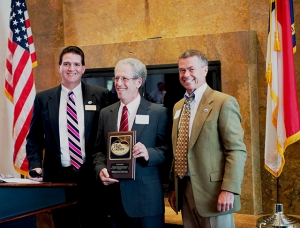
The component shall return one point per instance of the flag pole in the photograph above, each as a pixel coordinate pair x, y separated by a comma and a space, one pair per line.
278, 218
282, 115
279, 190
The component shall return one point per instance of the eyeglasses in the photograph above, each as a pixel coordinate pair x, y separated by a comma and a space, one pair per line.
123, 79
5, 176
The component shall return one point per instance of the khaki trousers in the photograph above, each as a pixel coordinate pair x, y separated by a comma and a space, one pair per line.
191, 217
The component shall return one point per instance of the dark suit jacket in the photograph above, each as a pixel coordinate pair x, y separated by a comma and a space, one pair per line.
44, 129
143, 196
216, 152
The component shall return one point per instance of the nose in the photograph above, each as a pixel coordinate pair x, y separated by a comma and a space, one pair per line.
118, 82
71, 67
187, 73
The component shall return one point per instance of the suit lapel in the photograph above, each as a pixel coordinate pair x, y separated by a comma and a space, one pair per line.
142, 110
202, 113
114, 109
178, 108
89, 98
53, 109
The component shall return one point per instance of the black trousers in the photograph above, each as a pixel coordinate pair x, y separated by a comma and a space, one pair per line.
120, 219
90, 211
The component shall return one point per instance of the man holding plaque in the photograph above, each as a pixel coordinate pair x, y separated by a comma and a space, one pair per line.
136, 199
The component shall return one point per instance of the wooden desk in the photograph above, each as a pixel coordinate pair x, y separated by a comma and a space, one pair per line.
19, 203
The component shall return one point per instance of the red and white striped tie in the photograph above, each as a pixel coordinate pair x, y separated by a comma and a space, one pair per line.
124, 120
73, 132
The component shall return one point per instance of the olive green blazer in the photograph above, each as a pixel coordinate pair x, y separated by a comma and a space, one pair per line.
216, 152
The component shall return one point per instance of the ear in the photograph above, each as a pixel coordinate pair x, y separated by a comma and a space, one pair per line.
139, 82
205, 70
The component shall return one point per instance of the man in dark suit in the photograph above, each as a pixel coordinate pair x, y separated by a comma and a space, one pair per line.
208, 190
136, 203
49, 132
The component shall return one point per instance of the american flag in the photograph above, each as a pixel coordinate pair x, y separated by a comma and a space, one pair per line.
19, 80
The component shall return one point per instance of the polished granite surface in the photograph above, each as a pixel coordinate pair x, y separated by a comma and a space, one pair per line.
241, 220
172, 220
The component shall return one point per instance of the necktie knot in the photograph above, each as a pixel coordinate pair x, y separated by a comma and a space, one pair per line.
124, 120
189, 99
71, 95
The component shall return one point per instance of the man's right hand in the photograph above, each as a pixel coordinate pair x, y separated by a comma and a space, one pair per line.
172, 200
36, 178
104, 176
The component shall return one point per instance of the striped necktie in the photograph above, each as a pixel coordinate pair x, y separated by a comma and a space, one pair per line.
124, 120
73, 132
183, 139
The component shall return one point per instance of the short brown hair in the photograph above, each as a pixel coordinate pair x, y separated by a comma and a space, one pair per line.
191, 53
72, 49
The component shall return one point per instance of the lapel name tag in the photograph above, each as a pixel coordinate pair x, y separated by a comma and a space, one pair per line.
90, 107
142, 119
177, 113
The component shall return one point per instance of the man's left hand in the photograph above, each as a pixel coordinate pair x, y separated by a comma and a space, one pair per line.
225, 201
139, 150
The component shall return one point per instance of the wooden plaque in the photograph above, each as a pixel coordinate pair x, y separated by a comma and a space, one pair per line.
120, 162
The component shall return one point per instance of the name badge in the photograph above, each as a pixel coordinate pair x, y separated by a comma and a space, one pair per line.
90, 107
177, 113
142, 119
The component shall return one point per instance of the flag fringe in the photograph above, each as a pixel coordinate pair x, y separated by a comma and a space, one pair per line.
8, 95
22, 172
292, 139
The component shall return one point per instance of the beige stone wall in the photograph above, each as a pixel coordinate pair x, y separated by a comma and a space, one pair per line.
115, 29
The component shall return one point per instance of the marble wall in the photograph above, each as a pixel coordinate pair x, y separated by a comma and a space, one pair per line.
231, 31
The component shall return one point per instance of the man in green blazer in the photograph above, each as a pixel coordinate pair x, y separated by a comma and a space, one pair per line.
209, 191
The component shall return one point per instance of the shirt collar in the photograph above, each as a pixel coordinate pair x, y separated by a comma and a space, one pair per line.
76, 90
198, 93
132, 105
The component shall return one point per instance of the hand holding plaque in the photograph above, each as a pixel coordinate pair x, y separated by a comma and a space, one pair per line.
120, 162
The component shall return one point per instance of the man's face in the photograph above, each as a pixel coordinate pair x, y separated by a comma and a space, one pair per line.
71, 70
127, 88
191, 74
161, 87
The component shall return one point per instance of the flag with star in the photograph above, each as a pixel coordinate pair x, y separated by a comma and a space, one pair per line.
19, 80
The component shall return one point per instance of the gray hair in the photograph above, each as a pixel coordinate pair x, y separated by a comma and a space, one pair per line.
191, 53
138, 68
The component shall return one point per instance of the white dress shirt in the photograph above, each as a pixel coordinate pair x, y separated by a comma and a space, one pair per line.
132, 108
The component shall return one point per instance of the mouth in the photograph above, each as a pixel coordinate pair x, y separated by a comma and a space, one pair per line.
188, 80
120, 89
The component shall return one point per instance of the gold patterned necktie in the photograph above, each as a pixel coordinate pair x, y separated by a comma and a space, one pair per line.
183, 139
